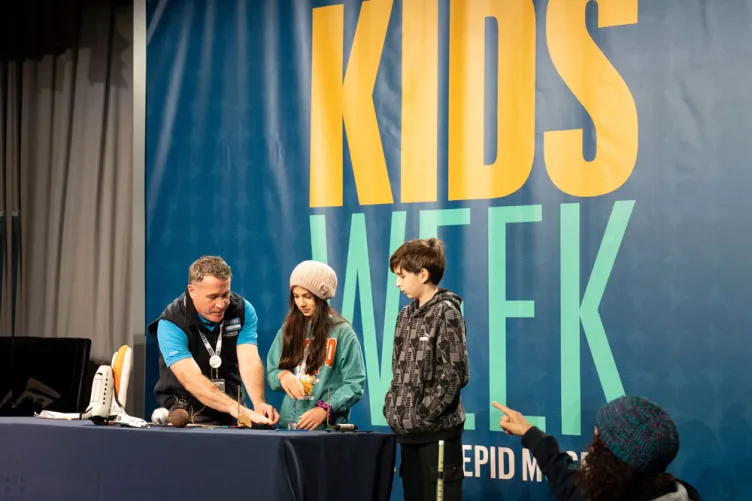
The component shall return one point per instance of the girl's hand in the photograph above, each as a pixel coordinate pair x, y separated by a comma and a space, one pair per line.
312, 419
292, 385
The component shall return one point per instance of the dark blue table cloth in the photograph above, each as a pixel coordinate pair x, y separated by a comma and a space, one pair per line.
43, 460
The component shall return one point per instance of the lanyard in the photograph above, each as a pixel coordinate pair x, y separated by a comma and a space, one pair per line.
214, 359
300, 369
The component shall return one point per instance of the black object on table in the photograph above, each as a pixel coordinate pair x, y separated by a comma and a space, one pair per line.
77, 460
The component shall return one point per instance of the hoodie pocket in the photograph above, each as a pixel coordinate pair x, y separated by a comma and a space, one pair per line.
391, 413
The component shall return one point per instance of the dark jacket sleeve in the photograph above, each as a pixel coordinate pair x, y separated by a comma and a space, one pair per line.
558, 467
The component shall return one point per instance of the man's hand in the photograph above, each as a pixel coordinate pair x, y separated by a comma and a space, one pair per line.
292, 385
251, 372
268, 411
255, 417
311, 419
512, 422
189, 374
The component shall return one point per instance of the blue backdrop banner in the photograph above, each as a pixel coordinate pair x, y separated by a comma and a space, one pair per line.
586, 164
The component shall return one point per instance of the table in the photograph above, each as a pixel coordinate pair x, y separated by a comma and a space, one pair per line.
44, 459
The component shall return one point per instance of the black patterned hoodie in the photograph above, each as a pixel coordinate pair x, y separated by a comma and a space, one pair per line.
429, 367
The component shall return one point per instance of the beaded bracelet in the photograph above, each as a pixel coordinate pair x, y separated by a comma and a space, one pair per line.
326, 407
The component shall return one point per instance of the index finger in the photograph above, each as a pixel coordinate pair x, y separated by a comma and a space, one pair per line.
273, 415
502, 408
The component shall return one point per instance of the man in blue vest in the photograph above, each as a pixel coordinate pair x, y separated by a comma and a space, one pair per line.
207, 342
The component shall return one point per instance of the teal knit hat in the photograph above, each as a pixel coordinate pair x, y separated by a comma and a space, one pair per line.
639, 433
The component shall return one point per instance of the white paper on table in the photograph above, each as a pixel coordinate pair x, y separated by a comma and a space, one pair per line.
70, 416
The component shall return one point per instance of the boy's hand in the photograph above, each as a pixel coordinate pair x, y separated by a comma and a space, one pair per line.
512, 422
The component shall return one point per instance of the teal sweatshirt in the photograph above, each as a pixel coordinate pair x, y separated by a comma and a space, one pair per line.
342, 372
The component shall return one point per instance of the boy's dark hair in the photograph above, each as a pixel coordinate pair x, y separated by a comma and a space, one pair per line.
414, 255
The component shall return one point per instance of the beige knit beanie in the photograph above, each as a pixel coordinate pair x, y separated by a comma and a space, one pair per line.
317, 277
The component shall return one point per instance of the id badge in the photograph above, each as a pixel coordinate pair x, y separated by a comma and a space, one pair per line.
219, 383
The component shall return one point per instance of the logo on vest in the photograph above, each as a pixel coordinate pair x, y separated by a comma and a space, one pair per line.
232, 327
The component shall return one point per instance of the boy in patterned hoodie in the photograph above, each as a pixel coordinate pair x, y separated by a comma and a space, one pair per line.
429, 367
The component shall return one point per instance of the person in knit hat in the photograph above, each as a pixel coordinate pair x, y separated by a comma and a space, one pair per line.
316, 358
634, 442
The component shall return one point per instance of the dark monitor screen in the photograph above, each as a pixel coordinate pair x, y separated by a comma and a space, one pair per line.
42, 374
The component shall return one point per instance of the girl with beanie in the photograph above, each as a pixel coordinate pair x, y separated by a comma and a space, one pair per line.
633, 444
316, 357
